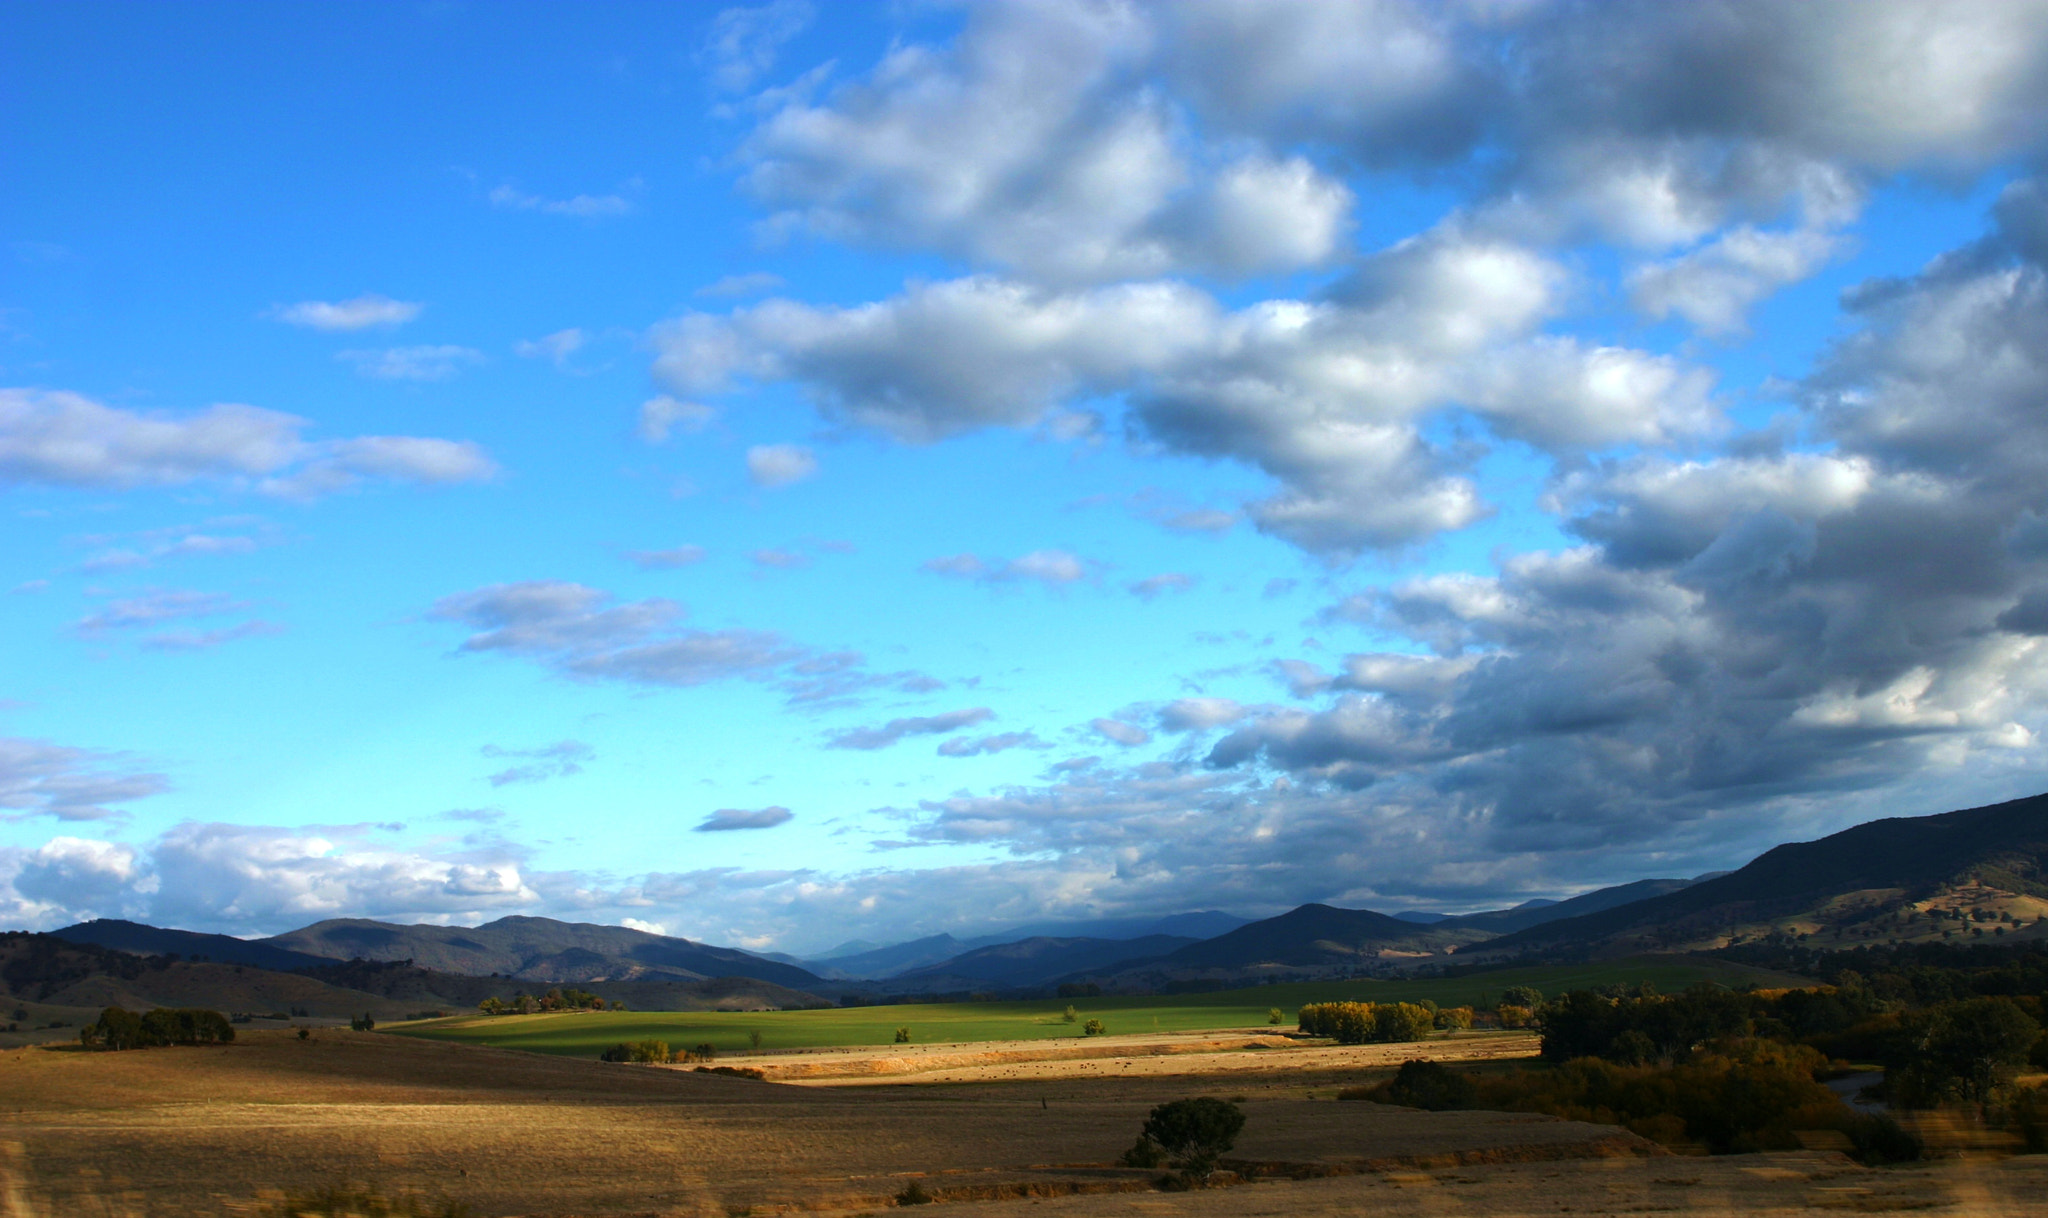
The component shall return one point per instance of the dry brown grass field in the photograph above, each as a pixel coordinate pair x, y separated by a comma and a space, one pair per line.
234, 1129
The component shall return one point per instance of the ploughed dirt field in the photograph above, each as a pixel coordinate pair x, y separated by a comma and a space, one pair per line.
232, 1129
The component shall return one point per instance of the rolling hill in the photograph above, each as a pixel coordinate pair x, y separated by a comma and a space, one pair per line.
145, 940
1034, 962
538, 949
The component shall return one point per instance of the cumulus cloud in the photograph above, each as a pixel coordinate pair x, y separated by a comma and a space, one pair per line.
1328, 397
779, 465
433, 362
1091, 177
362, 313
39, 778
726, 819
896, 729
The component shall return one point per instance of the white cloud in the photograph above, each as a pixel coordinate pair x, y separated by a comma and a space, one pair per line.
728, 819
778, 465
1199, 714
556, 347
882, 737
583, 633
743, 43
1053, 568
1154, 585
587, 207
424, 363
753, 283
362, 313
663, 415
559, 760
1025, 144
1715, 286
39, 778
666, 560
1116, 731
51, 437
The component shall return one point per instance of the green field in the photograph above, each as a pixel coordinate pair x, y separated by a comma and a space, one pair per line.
586, 1034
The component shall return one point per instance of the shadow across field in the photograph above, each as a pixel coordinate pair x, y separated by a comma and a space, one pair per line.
211, 1130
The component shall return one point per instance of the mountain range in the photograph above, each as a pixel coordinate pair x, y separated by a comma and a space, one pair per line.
1888, 879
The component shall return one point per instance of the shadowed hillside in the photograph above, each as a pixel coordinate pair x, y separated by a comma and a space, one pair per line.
538, 949
1900, 867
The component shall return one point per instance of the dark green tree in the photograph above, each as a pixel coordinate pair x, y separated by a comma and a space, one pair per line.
1195, 1133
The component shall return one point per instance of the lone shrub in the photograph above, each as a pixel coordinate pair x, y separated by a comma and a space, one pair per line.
1195, 1133
1276, 1016
363, 1023
1093, 1027
914, 1194
1070, 1016
903, 1036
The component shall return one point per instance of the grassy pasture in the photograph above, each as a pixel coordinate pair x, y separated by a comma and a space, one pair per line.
586, 1034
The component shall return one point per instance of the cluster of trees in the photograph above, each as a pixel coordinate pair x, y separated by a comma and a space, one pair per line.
1357, 1023
118, 1028
1736, 1097
1949, 1050
657, 1052
1730, 1071
557, 999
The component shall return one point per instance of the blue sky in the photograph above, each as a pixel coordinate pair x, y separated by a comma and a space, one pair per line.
787, 473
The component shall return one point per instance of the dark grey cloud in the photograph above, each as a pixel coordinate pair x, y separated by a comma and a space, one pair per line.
728, 819
896, 729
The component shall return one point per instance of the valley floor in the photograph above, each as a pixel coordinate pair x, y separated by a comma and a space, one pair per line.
233, 1129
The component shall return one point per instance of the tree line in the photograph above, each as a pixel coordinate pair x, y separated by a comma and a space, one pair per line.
117, 1028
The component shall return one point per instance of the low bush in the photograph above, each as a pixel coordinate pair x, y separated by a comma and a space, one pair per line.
1094, 1027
